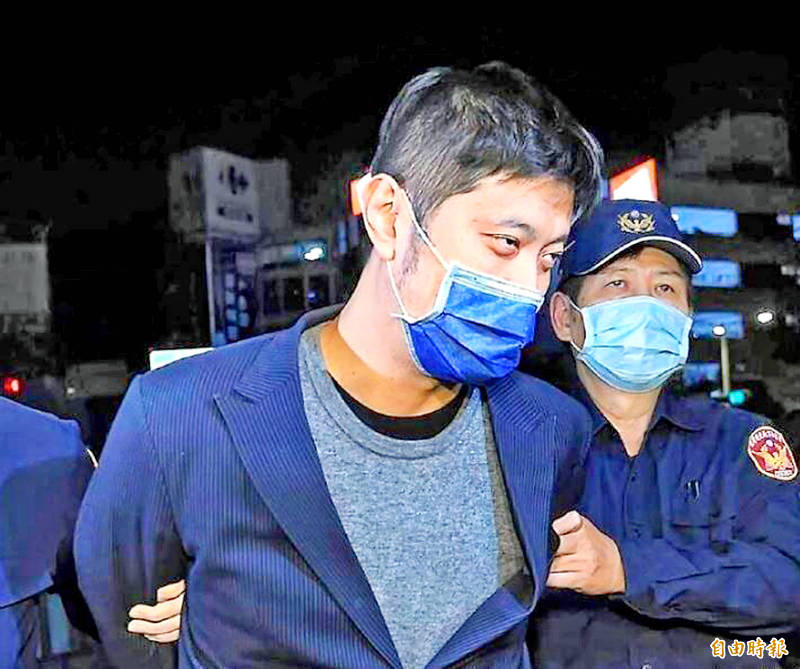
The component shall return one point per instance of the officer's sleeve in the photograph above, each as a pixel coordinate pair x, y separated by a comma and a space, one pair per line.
39, 501
126, 542
750, 583
65, 579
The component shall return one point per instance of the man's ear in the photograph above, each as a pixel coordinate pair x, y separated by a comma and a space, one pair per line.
561, 317
379, 201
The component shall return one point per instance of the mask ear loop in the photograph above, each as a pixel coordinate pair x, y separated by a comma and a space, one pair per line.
420, 231
405, 315
361, 186
586, 334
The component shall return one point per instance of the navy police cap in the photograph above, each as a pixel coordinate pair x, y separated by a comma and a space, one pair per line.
615, 226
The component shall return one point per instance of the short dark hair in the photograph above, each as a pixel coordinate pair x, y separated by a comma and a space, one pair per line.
447, 129
571, 286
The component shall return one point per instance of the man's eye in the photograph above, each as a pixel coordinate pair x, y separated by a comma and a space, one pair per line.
505, 245
551, 259
665, 287
616, 283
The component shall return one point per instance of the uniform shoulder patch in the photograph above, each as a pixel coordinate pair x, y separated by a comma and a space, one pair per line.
771, 454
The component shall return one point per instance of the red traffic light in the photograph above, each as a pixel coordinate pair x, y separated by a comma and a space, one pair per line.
13, 386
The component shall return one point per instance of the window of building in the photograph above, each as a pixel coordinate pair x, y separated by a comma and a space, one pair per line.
318, 291
293, 296
272, 303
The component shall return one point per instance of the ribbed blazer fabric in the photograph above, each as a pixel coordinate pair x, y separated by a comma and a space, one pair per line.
210, 472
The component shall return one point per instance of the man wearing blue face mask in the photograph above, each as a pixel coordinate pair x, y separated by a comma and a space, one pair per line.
701, 501
373, 487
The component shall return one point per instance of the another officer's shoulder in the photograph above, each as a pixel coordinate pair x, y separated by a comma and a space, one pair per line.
21, 426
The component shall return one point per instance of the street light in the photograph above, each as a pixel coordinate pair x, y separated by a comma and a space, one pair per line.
724, 358
765, 317
314, 253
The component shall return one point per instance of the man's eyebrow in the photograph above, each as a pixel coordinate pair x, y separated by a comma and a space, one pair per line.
670, 272
526, 228
611, 269
559, 240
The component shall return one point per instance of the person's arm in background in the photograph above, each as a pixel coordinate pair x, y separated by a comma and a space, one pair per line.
44, 470
126, 542
65, 578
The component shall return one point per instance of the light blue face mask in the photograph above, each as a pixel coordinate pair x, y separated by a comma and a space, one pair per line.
635, 343
477, 327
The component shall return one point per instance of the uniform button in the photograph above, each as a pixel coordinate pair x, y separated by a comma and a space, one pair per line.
637, 533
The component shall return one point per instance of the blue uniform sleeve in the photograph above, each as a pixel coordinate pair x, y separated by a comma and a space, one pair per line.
126, 542
745, 579
65, 578
40, 494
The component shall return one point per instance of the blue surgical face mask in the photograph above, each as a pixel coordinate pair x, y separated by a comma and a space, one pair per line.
477, 327
635, 343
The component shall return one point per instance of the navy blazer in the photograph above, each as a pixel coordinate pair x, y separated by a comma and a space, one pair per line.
210, 472
44, 470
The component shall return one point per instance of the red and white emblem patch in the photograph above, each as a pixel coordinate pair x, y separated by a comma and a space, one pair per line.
771, 454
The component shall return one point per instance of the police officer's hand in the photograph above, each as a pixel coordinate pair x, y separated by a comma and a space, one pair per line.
587, 560
162, 622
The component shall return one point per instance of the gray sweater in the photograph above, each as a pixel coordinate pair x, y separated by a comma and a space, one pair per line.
428, 519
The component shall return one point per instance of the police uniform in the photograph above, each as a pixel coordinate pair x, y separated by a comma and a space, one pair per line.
709, 535
44, 470
707, 520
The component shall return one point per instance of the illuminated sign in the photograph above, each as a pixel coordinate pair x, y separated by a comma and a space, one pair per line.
312, 249
718, 274
161, 357
637, 183
796, 227
294, 253
695, 373
708, 220
705, 321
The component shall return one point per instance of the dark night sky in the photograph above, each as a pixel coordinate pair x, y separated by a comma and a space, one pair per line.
84, 139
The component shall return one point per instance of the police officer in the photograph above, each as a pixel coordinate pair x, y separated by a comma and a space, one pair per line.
44, 470
685, 551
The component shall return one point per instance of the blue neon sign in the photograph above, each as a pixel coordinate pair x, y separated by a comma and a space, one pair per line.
704, 322
718, 274
707, 220
695, 373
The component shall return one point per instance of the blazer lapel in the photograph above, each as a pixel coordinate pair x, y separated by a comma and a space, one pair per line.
525, 438
265, 415
525, 445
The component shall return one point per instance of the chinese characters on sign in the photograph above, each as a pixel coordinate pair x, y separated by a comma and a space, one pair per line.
776, 648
